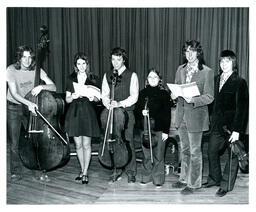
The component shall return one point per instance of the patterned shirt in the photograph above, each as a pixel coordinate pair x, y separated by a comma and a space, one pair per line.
190, 71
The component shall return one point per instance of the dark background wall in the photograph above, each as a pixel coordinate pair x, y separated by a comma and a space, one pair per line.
153, 37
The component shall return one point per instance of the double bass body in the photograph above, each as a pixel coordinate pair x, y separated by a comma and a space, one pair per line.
40, 147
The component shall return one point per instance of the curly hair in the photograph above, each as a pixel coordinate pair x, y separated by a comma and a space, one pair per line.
195, 46
19, 54
118, 51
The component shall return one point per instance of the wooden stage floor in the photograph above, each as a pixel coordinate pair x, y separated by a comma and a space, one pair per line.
62, 189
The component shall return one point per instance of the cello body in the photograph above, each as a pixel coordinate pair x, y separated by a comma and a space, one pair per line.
117, 152
44, 150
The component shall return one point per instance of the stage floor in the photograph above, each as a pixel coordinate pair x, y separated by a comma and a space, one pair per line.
62, 188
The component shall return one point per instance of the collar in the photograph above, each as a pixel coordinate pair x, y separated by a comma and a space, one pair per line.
226, 75
121, 70
193, 67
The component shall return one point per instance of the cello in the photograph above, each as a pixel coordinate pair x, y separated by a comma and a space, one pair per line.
114, 151
43, 145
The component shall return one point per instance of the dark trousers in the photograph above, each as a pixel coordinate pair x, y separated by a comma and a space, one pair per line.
217, 145
154, 172
15, 119
131, 168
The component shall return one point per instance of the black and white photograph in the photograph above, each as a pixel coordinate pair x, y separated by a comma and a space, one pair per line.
128, 103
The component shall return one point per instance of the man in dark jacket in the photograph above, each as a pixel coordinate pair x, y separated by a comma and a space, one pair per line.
231, 110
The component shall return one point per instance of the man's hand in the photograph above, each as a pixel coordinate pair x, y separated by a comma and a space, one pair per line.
189, 99
36, 90
32, 107
114, 104
173, 96
234, 137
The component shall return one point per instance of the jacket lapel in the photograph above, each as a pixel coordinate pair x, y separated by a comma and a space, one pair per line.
227, 83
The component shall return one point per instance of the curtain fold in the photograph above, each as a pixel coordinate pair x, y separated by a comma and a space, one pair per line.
153, 37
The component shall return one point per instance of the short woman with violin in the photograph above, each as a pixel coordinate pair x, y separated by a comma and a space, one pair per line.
154, 103
81, 121
20, 79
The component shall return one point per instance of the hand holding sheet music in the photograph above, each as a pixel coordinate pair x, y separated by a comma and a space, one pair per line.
188, 90
88, 91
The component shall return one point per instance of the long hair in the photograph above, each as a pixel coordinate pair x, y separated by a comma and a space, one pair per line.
83, 56
120, 52
195, 46
231, 56
160, 83
19, 54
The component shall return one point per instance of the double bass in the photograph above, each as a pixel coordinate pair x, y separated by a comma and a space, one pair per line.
43, 145
114, 151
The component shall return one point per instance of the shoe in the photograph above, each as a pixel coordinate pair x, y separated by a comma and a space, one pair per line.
208, 185
187, 191
144, 183
158, 185
15, 177
44, 177
179, 185
79, 177
221, 193
131, 179
115, 178
85, 179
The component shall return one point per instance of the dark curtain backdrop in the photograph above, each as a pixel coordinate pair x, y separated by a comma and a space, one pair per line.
153, 37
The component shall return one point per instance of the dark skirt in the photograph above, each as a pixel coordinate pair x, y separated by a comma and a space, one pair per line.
81, 119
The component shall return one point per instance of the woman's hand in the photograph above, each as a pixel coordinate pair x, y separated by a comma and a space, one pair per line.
93, 98
164, 136
145, 112
75, 95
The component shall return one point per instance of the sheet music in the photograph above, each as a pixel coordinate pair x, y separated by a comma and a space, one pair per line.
89, 91
184, 90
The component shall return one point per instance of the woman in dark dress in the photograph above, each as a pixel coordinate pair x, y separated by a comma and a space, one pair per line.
159, 109
81, 121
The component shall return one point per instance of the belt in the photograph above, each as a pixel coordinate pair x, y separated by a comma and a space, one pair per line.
12, 103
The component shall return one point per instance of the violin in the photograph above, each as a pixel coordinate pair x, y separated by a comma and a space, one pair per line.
148, 136
114, 151
43, 145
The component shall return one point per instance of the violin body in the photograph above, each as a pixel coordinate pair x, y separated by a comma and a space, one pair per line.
145, 135
117, 152
148, 125
44, 150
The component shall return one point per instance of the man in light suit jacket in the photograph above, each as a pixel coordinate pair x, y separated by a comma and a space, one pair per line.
192, 116
231, 110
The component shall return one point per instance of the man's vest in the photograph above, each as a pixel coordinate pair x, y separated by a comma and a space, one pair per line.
122, 88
